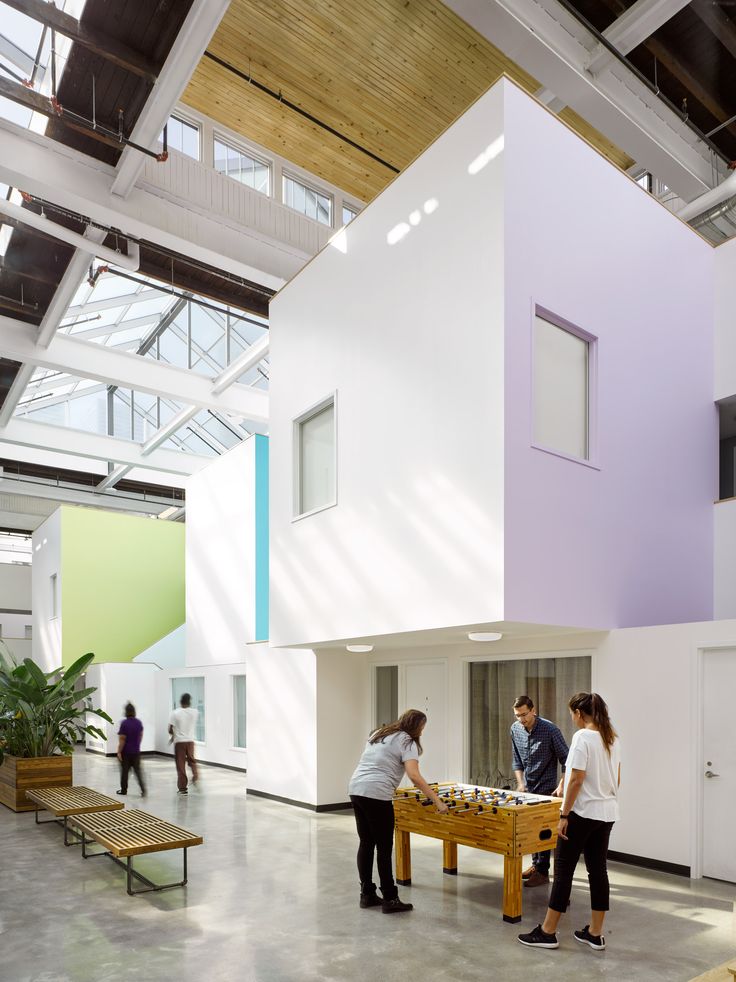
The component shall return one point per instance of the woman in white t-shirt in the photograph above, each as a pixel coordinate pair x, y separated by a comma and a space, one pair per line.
392, 751
590, 807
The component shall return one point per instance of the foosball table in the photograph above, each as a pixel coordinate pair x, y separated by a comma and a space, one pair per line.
512, 824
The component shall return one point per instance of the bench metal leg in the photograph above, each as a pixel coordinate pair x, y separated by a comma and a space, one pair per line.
150, 885
71, 832
46, 821
90, 855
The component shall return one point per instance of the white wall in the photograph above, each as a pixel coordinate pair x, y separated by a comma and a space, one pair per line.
167, 652
412, 339
342, 721
282, 723
724, 559
725, 320
118, 684
46, 560
217, 747
220, 558
15, 588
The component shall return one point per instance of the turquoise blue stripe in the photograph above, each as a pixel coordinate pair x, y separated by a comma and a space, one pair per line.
261, 538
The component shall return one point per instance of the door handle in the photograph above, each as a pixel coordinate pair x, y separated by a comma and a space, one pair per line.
711, 774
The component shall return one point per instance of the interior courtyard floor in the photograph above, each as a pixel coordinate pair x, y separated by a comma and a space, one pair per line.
272, 897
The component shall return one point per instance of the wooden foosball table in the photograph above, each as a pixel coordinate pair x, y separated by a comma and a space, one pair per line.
512, 824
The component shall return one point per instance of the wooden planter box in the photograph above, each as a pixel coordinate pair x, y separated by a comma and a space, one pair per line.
21, 774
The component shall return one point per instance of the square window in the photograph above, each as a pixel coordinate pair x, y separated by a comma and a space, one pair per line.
308, 201
348, 214
315, 452
242, 167
182, 136
561, 388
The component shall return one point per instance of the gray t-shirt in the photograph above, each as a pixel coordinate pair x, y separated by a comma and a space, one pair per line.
381, 767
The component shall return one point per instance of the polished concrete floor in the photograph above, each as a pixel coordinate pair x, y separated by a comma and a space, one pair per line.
272, 897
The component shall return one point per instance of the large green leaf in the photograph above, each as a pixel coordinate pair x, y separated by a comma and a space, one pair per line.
35, 673
77, 668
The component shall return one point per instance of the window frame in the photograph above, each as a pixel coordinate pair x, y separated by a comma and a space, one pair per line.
545, 314
354, 212
297, 421
233, 687
186, 121
309, 186
243, 148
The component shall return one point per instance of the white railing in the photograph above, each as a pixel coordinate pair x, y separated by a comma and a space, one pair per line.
194, 185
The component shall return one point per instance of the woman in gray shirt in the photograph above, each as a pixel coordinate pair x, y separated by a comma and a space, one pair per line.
391, 752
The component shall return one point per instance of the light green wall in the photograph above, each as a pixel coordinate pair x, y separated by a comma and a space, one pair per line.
122, 583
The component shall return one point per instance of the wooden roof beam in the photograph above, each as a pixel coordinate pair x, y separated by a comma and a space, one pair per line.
97, 42
719, 23
683, 75
40, 104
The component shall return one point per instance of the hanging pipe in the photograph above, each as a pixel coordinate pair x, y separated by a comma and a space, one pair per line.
42, 224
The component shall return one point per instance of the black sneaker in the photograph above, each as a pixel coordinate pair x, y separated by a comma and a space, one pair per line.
121, 792
395, 906
596, 941
538, 939
184, 791
370, 900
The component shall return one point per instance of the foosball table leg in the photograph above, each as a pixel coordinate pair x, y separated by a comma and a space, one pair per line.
449, 857
512, 889
403, 858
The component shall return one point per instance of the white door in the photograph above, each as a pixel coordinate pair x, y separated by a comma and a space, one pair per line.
718, 765
425, 688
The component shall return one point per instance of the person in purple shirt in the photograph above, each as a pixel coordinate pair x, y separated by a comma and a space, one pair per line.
130, 735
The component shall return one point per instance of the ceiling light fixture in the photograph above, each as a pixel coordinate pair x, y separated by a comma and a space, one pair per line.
359, 647
485, 636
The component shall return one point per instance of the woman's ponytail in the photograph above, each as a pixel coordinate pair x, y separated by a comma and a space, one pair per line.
591, 704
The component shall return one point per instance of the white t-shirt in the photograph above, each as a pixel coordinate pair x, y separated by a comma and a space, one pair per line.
184, 722
598, 797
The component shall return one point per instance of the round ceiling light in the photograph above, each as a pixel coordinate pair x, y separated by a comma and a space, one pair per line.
359, 647
485, 636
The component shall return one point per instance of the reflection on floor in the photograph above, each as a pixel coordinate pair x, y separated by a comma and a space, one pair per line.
272, 897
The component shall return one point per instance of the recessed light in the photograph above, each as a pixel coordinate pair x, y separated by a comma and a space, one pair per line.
485, 636
359, 647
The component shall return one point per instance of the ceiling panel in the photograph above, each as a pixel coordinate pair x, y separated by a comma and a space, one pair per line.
389, 76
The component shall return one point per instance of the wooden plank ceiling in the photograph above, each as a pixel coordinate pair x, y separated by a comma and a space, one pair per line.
389, 75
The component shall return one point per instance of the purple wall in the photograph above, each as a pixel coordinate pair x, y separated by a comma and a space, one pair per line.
630, 543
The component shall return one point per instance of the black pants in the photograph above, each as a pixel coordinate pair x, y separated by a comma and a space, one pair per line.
128, 761
375, 822
589, 837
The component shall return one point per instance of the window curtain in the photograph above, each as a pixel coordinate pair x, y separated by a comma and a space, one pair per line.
494, 686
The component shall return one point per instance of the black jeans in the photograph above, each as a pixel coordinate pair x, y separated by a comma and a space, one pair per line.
589, 837
128, 761
375, 821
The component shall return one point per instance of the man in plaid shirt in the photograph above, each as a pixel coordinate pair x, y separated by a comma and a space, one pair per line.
538, 745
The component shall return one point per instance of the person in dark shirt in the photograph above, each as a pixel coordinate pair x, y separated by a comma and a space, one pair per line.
538, 746
130, 735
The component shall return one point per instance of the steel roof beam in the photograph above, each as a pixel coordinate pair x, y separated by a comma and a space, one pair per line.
550, 43
635, 25
79, 443
86, 359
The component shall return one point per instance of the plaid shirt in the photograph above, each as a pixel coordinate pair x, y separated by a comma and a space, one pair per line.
537, 754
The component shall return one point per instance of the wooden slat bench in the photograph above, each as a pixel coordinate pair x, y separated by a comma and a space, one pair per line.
66, 802
126, 834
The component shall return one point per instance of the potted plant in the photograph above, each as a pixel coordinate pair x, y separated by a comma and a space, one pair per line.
41, 718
